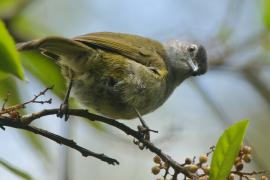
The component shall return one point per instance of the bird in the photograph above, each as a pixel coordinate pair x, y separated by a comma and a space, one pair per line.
118, 75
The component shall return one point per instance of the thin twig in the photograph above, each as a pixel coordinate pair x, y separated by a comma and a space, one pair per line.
244, 174
22, 105
7, 121
212, 149
5, 101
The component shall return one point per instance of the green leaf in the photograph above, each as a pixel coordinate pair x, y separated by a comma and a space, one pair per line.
266, 13
15, 170
45, 70
8, 85
226, 151
3, 75
9, 57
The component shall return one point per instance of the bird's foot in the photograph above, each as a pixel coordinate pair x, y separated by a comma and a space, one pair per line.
144, 130
63, 111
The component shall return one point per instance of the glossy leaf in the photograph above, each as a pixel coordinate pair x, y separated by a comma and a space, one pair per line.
227, 149
266, 13
45, 70
9, 57
15, 170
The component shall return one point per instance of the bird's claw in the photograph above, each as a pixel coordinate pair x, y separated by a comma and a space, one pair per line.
145, 132
2, 127
63, 111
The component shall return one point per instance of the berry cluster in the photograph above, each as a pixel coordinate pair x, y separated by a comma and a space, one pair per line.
159, 165
201, 168
244, 157
189, 164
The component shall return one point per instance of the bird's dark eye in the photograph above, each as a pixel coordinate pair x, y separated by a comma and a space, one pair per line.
191, 48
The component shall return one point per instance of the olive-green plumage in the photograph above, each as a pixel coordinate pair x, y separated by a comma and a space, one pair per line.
115, 73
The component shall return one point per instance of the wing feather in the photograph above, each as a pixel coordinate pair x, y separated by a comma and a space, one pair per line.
145, 51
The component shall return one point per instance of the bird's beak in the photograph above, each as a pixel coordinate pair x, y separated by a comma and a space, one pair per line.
193, 65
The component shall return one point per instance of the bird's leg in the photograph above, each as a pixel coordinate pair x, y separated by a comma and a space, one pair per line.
63, 111
2, 127
144, 129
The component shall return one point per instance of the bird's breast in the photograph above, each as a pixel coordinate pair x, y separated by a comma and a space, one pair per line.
115, 88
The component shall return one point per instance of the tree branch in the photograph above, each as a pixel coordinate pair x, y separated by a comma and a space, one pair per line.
24, 121
17, 123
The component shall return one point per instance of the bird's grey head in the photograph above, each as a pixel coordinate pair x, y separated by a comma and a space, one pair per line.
186, 59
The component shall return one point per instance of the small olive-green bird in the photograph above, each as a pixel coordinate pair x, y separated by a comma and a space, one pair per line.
119, 75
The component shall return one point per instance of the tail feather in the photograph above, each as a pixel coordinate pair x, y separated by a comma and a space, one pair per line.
27, 46
68, 51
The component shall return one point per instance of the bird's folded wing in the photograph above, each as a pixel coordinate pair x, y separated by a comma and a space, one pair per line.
145, 51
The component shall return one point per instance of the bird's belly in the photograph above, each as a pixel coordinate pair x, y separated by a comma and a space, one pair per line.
118, 99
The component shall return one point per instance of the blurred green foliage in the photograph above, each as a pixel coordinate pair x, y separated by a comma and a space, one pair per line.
8, 85
6, 6
3, 75
226, 150
10, 62
15, 170
266, 13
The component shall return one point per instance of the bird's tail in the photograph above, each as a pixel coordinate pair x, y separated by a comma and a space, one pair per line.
28, 46
35, 45
68, 52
